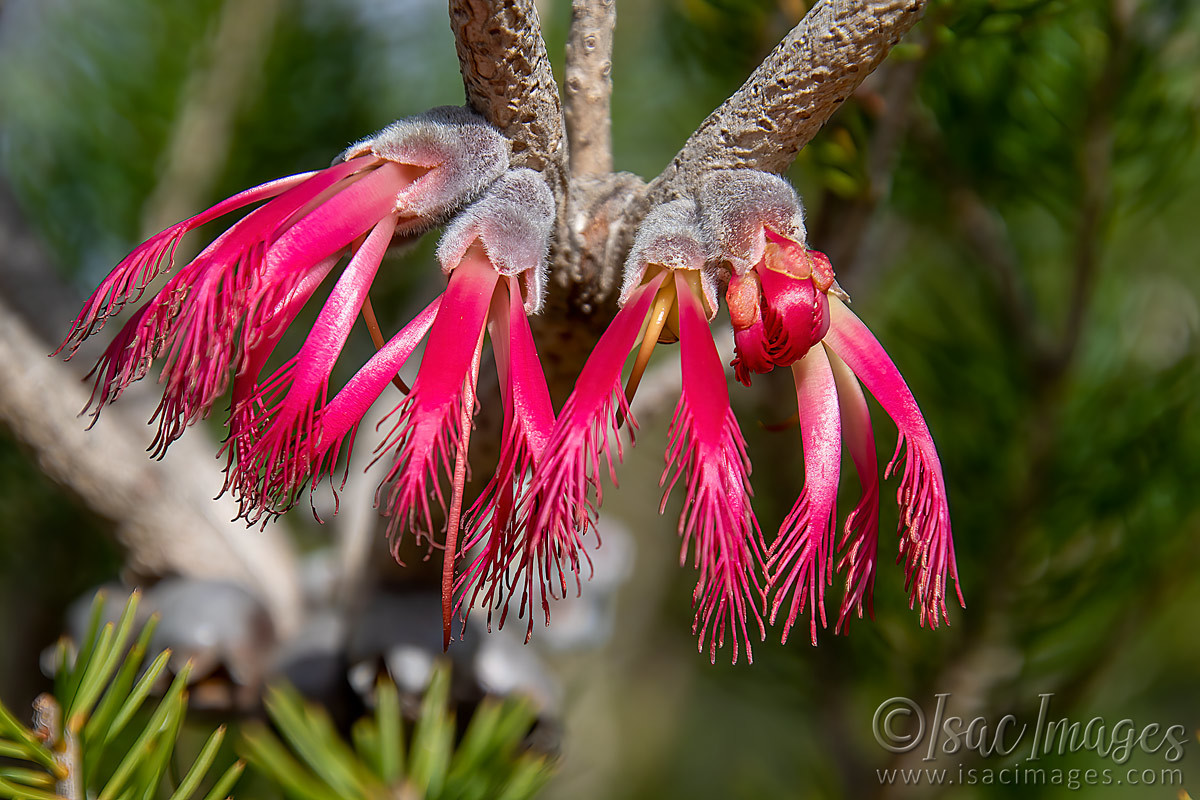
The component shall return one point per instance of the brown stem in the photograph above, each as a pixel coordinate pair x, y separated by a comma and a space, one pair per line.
792, 94
589, 86
63, 742
509, 80
368, 315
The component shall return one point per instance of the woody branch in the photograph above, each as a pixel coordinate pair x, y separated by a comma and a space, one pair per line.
589, 86
763, 125
792, 94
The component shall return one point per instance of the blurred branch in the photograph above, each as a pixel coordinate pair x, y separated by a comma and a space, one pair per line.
986, 235
203, 129
1095, 200
165, 518
589, 86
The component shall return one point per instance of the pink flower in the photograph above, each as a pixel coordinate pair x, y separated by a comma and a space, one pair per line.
745, 232
670, 292
218, 321
219, 318
787, 311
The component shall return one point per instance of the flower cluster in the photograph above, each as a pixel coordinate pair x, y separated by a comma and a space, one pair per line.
743, 236
218, 320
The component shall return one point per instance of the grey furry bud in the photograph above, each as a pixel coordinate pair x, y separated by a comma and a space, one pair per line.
514, 220
462, 152
671, 236
735, 205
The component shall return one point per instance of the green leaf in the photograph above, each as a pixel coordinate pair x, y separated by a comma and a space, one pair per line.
268, 754
62, 653
433, 739
479, 737
73, 674
97, 727
28, 777
138, 695
163, 718
98, 670
391, 731
33, 750
221, 788
19, 792
191, 781
312, 735
308, 759
529, 776
155, 767
485, 760
365, 735
12, 750
516, 720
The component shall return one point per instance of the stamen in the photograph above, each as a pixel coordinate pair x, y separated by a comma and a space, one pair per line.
368, 315
659, 314
454, 514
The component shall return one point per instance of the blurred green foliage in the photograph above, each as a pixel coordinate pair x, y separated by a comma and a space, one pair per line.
83, 743
1028, 257
92, 738
490, 760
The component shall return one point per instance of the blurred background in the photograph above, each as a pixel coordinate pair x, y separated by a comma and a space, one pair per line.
1011, 202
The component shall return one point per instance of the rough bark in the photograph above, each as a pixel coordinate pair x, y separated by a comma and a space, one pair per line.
763, 125
792, 94
509, 80
588, 86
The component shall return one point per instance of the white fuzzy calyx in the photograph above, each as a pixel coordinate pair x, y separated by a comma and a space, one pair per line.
736, 205
463, 153
672, 237
513, 221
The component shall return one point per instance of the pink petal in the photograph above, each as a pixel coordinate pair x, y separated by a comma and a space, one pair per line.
860, 536
193, 320
707, 446
581, 438
750, 352
802, 556
795, 314
541, 553
337, 222
429, 421
926, 544
245, 407
340, 419
129, 278
126, 359
275, 465
744, 300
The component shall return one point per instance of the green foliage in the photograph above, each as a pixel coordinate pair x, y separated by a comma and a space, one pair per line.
310, 761
85, 737
82, 739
